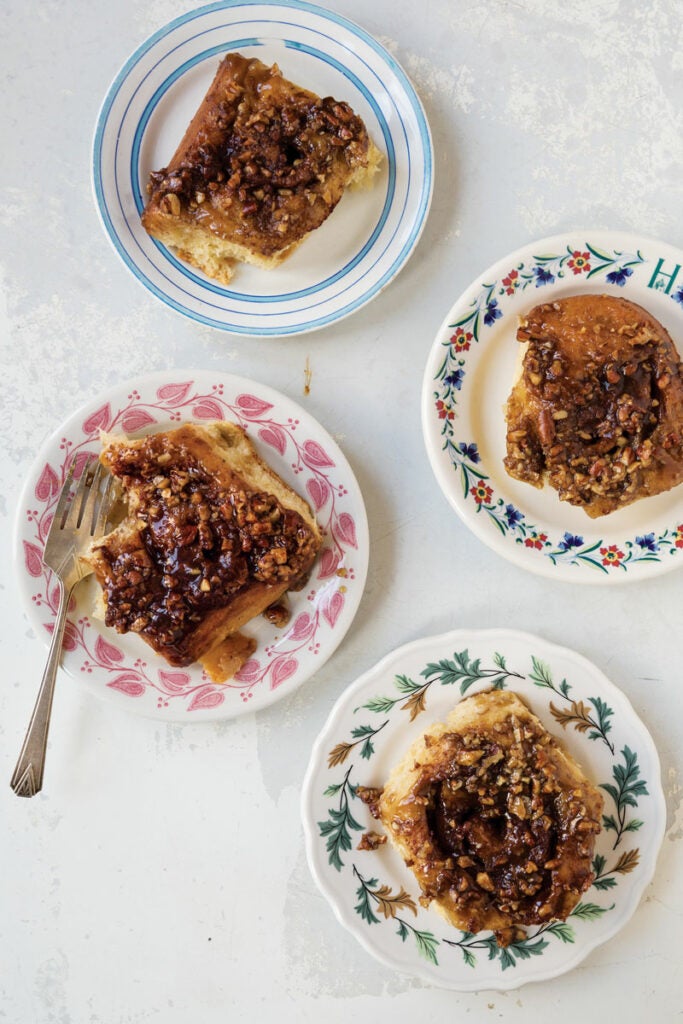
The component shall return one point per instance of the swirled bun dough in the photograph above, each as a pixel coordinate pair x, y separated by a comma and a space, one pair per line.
496, 821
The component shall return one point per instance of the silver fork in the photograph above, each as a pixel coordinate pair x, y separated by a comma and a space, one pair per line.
80, 517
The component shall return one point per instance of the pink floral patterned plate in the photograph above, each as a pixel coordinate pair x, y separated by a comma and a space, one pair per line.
124, 668
469, 374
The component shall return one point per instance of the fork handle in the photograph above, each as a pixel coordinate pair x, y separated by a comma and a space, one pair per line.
27, 779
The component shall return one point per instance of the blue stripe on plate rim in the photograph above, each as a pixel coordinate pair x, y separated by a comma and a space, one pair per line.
337, 313
184, 269
425, 137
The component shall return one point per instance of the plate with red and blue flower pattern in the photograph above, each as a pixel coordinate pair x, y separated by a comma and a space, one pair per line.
123, 668
471, 368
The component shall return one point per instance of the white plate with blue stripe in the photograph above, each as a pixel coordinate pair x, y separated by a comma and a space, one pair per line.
368, 237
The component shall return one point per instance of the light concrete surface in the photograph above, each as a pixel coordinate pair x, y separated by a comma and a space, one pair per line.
160, 876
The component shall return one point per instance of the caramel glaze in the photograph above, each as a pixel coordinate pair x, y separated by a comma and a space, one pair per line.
198, 544
495, 832
505, 841
260, 162
599, 409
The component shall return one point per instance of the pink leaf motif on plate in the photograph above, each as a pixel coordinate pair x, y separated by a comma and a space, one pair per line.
303, 626
329, 560
208, 409
70, 641
318, 492
174, 682
136, 419
48, 483
206, 697
275, 437
80, 461
249, 672
174, 394
346, 528
128, 683
44, 526
316, 455
106, 653
54, 597
251, 406
332, 607
98, 420
33, 559
281, 670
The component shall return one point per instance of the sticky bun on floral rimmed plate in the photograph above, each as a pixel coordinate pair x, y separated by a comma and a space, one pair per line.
389, 905
487, 447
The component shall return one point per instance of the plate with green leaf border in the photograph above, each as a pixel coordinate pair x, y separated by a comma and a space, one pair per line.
376, 897
469, 374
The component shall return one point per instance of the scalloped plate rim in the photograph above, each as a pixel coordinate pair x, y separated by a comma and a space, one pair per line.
312, 839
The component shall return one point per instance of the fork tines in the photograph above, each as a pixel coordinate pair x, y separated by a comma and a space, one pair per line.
87, 504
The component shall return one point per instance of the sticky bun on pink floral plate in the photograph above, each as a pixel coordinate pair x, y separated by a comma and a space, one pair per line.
120, 666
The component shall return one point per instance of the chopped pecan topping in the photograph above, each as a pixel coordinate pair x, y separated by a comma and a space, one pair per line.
265, 152
278, 614
371, 797
371, 841
588, 413
198, 544
496, 820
